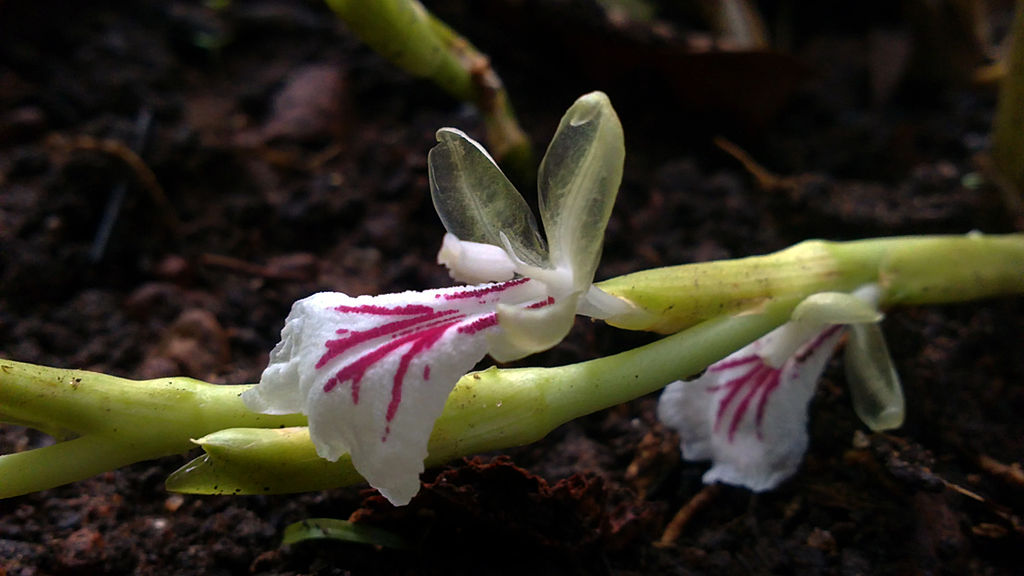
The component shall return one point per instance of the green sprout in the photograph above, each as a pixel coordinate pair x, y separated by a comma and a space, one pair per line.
1008, 125
412, 38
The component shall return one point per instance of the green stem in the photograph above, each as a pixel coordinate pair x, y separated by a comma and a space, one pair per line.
115, 421
1008, 124
910, 270
412, 38
65, 462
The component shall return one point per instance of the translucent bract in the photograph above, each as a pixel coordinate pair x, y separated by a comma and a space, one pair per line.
578, 181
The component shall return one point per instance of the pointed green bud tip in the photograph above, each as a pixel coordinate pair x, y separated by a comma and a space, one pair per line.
889, 418
588, 107
835, 308
223, 442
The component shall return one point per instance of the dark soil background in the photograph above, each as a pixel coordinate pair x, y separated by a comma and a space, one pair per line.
288, 158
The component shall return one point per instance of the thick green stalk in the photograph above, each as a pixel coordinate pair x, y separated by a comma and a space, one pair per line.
1008, 124
910, 270
113, 421
412, 38
404, 32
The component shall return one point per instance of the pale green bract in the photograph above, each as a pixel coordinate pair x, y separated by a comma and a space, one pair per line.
475, 200
874, 383
578, 181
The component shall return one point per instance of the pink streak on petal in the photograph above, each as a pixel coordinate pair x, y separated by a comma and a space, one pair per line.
406, 310
818, 340
482, 323
420, 330
415, 328
757, 382
355, 370
342, 345
486, 290
766, 390
733, 388
542, 303
424, 341
726, 364
401, 332
764, 379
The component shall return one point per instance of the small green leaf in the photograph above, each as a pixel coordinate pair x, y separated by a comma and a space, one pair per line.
578, 181
334, 529
476, 202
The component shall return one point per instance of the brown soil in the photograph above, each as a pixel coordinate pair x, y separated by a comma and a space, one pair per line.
288, 158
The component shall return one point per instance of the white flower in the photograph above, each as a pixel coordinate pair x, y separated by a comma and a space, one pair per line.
372, 373
748, 412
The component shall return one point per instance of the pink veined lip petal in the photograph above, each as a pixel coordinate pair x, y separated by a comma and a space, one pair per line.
418, 329
417, 334
758, 381
421, 329
373, 373
747, 416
